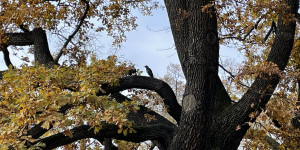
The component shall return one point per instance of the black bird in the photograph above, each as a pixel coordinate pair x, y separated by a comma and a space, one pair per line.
132, 71
149, 71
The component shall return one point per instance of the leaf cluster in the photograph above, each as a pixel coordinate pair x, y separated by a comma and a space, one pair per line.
35, 95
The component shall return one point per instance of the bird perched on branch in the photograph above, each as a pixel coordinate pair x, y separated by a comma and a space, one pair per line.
132, 71
149, 71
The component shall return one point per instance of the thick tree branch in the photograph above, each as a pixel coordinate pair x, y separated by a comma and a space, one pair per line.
42, 53
37, 131
1, 74
75, 31
137, 118
222, 100
296, 120
38, 38
298, 18
177, 13
273, 143
108, 145
23, 28
20, 39
162, 88
273, 28
151, 132
161, 125
126, 83
254, 102
6, 56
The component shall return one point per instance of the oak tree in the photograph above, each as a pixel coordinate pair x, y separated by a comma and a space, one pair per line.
52, 103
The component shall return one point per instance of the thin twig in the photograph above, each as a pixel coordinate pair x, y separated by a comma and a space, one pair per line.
231, 37
233, 76
75, 31
58, 34
273, 28
241, 83
254, 27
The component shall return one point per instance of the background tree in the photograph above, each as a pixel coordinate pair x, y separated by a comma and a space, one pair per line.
175, 79
52, 104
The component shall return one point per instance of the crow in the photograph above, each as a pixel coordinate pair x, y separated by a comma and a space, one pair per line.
149, 71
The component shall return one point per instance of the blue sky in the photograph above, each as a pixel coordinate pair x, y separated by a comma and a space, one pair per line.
151, 44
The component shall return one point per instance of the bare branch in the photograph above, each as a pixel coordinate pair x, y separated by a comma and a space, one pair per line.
64, 38
233, 76
74, 32
230, 37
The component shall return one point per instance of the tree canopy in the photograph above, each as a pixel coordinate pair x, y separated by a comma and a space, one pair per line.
52, 103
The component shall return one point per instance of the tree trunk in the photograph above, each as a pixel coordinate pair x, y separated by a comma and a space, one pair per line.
198, 50
209, 120
42, 53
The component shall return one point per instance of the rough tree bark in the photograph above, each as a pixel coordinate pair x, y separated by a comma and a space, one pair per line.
208, 119
198, 50
197, 45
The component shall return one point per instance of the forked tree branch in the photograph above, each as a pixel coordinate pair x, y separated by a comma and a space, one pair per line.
36, 37
254, 102
160, 87
152, 132
232, 76
138, 118
158, 128
74, 32
273, 28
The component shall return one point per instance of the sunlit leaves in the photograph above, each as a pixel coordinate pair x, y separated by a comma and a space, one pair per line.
245, 25
35, 95
113, 16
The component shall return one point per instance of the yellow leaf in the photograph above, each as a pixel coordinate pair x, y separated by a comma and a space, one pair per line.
125, 132
68, 133
46, 125
120, 130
